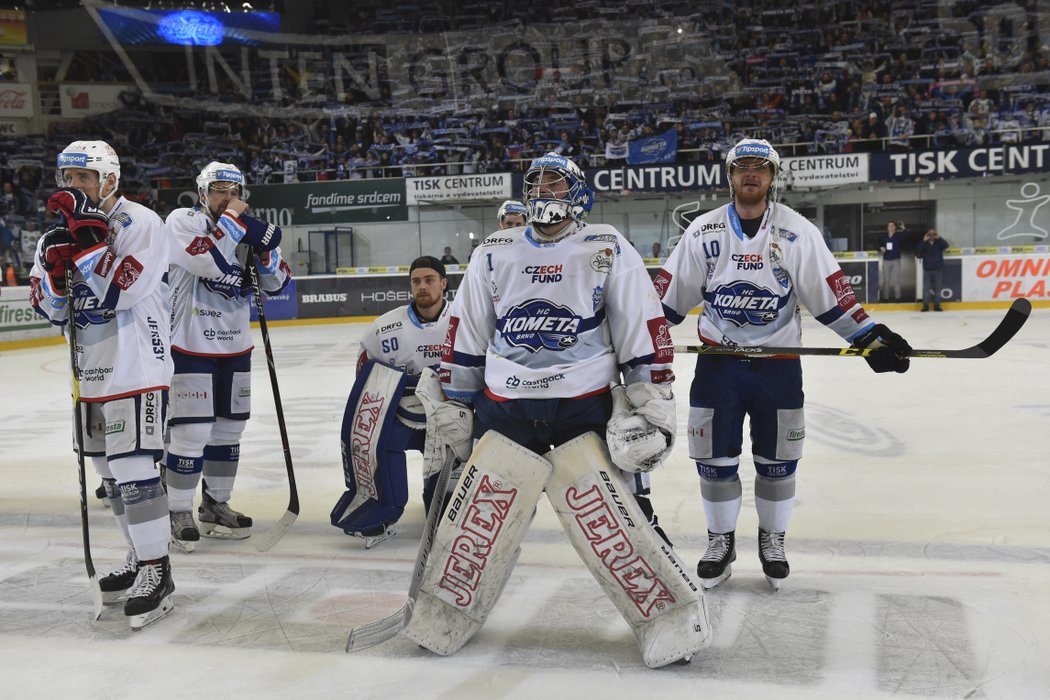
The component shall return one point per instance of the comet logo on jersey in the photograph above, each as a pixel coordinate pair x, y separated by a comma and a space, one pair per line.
539, 324
745, 303
88, 310
229, 285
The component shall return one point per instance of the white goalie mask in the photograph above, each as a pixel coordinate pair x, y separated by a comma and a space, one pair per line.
551, 200
755, 148
226, 173
90, 155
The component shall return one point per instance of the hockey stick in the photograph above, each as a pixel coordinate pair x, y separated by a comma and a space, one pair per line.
78, 425
372, 633
1015, 317
267, 540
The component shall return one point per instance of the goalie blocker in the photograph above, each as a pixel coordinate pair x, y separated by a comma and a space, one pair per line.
478, 540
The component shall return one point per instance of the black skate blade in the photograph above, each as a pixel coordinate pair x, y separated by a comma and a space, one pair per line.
184, 546
148, 618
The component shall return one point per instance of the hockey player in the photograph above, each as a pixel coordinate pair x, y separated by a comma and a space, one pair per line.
407, 339
548, 317
752, 262
512, 214
118, 253
213, 243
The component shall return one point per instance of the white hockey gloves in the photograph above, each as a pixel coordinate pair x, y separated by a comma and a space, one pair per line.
448, 423
641, 431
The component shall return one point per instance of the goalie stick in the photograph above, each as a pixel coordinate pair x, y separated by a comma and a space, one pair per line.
267, 540
1015, 317
78, 425
372, 633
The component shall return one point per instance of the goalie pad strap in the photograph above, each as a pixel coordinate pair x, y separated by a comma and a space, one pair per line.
476, 544
372, 443
639, 573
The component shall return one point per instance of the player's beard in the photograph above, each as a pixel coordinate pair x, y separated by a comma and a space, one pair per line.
749, 197
425, 303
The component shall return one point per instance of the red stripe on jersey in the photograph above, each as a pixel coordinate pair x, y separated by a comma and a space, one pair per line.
662, 342
662, 282
842, 290
450, 339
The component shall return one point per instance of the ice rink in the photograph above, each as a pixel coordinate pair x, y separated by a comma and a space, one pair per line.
919, 549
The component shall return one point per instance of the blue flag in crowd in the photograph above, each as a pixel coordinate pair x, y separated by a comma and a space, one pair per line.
655, 149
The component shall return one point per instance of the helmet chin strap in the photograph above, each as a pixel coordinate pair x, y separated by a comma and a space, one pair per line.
102, 199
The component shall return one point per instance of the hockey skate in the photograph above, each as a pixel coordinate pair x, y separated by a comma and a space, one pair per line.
714, 566
374, 535
150, 599
221, 522
771, 554
115, 585
184, 533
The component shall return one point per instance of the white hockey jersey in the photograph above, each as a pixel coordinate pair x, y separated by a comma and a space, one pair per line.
210, 307
751, 287
401, 339
554, 320
120, 294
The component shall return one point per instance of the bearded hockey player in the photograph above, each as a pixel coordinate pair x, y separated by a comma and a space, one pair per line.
383, 417
752, 262
213, 243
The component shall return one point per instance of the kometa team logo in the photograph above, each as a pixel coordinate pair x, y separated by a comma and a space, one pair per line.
539, 324
229, 285
745, 303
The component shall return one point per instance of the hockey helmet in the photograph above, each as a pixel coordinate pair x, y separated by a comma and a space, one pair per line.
512, 206
541, 204
219, 172
90, 155
759, 149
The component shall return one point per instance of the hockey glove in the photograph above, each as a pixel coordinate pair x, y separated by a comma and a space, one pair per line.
448, 423
891, 350
56, 252
88, 224
259, 234
641, 431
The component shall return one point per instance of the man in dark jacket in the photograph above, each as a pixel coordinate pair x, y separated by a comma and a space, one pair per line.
931, 251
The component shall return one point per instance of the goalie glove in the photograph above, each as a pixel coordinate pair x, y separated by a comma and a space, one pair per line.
88, 224
448, 423
641, 431
891, 350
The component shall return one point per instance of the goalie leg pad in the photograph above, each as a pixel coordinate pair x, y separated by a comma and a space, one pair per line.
373, 444
638, 571
476, 544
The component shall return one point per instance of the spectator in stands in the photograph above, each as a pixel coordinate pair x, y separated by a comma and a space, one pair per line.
874, 133
900, 129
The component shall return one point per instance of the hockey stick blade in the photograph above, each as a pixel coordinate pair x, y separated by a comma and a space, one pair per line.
372, 633
267, 540
1015, 318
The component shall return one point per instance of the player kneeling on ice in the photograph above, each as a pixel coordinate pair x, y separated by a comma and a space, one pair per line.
384, 417
548, 317
213, 244
117, 254
752, 262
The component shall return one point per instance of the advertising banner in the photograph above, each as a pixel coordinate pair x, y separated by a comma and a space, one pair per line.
13, 28
306, 203
658, 178
351, 295
83, 100
1006, 277
863, 276
16, 100
18, 320
961, 162
279, 307
825, 171
458, 188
